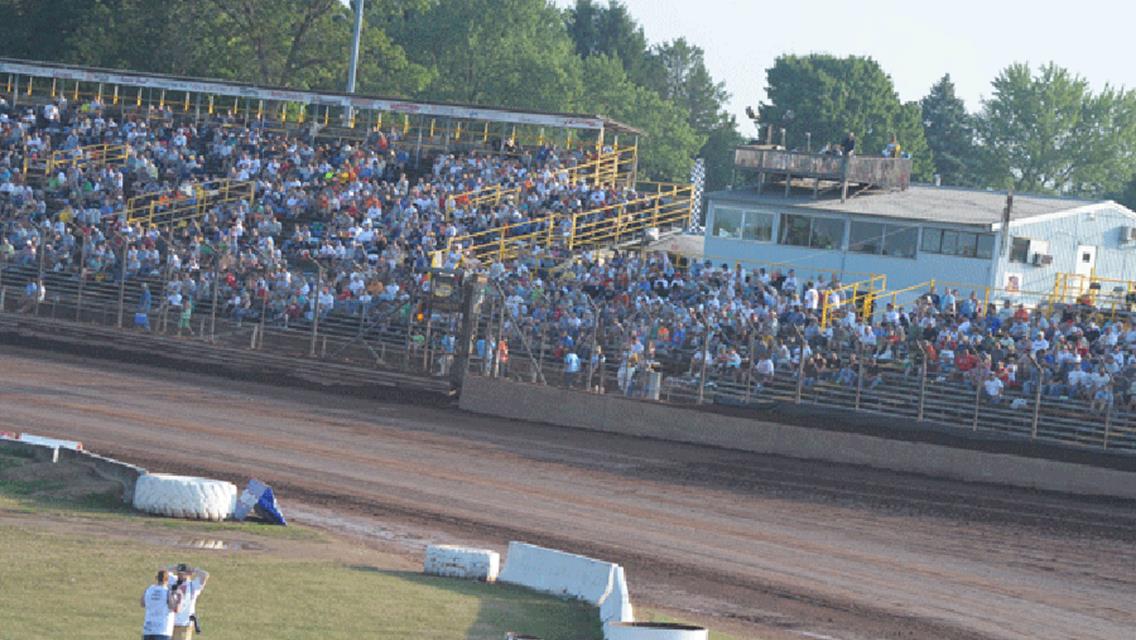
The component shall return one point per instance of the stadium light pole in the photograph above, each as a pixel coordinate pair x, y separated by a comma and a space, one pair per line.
353, 65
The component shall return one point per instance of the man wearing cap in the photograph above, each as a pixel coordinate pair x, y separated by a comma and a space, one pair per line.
190, 583
161, 605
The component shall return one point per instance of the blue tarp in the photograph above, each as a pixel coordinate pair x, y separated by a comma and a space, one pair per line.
259, 498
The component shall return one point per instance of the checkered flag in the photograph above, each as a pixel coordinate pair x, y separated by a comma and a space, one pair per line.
698, 181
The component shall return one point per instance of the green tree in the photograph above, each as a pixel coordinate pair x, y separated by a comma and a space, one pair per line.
513, 53
829, 96
949, 130
610, 31
678, 73
667, 150
295, 43
1049, 133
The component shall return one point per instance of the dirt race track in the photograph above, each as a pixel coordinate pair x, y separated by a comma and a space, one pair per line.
754, 545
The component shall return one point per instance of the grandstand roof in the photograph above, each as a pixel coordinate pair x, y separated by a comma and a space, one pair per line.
331, 98
948, 205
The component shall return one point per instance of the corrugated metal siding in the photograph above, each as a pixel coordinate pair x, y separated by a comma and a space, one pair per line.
1100, 227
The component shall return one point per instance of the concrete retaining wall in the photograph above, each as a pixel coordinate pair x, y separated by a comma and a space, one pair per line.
461, 562
635, 418
558, 572
121, 472
616, 607
36, 452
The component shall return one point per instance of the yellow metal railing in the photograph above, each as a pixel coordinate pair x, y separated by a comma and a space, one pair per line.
94, 155
1104, 293
490, 194
998, 296
613, 168
669, 205
158, 104
860, 291
187, 202
893, 297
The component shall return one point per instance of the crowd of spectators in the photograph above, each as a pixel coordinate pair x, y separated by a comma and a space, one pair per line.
349, 227
751, 326
348, 223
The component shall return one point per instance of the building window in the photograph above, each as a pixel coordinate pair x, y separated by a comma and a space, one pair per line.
727, 223
900, 242
957, 243
985, 246
806, 231
795, 230
932, 240
1019, 250
736, 224
757, 226
828, 233
883, 239
865, 237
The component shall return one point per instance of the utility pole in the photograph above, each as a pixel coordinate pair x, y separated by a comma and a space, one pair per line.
353, 65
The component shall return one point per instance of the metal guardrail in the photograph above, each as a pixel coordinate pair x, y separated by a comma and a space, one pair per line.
89, 156
387, 336
904, 387
668, 206
174, 206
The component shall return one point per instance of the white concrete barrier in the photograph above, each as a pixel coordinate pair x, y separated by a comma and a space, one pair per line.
558, 573
461, 562
51, 442
616, 607
653, 631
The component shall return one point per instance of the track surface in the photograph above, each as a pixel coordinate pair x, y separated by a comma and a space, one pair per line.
758, 545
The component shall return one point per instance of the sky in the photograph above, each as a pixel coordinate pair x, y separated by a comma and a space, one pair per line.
915, 42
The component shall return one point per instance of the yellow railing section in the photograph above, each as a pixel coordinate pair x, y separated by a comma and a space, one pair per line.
187, 202
667, 206
156, 104
490, 194
853, 295
1111, 293
893, 297
94, 155
609, 169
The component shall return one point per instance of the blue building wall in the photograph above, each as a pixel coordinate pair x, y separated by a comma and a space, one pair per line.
1098, 226
849, 266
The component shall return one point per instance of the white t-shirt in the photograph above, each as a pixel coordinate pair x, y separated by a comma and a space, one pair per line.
189, 602
159, 619
993, 387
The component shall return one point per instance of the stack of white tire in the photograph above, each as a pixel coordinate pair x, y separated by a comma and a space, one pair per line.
185, 496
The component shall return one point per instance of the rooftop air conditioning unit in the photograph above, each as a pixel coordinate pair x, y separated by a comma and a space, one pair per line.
1128, 234
1042, 259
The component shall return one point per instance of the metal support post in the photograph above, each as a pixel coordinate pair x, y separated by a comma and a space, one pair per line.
1037, 398
702, 376
316, 309
122, 281
922, 384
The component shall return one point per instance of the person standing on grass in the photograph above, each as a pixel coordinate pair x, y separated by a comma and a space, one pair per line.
190, 583
161, 604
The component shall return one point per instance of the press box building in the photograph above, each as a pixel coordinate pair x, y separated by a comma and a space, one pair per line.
853, 216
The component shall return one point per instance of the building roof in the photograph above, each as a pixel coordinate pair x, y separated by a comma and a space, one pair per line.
311, 97
926, 203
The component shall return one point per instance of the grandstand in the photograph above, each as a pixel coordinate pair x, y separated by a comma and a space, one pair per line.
436, 241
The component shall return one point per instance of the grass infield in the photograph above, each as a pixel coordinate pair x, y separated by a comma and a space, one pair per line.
76, 566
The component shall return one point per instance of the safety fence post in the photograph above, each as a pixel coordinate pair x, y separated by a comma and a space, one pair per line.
122, 282
922, 383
